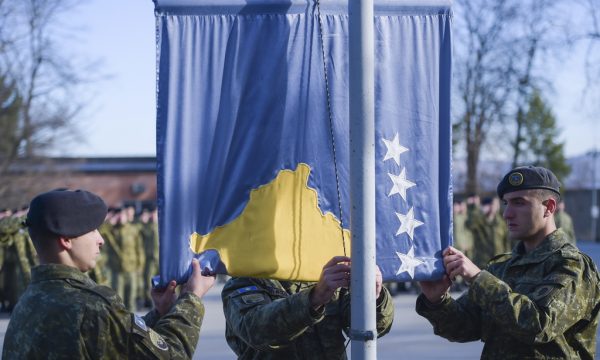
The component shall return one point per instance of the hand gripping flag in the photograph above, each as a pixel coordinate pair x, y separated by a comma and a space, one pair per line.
253, 132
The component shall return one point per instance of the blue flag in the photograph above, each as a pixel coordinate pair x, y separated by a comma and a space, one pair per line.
252, 141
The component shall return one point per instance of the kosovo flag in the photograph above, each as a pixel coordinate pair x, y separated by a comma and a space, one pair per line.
253, 137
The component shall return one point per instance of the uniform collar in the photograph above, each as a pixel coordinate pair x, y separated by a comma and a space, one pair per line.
551, 244
57, 272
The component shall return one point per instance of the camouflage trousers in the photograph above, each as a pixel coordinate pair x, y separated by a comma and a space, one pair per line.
126, 285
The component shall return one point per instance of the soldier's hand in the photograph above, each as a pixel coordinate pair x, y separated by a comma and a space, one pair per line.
457, 263
164, 299
434, 290
335, 274
197, 283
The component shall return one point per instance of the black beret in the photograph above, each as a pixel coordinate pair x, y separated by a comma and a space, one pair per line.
66, 213
487, 200
528, 177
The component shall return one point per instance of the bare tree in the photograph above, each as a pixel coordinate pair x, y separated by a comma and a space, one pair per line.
540, 33
498, 44
47, 82
591, 35
483, 66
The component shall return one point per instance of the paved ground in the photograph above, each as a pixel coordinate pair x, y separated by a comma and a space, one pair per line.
411, 336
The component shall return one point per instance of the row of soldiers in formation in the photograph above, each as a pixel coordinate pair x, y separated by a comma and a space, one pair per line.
129, 255
480, 232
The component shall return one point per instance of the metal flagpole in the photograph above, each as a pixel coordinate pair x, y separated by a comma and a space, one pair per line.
362, 180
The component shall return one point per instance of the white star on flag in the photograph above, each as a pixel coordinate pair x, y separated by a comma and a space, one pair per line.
400, 184
408, 223
409, 262
394, 149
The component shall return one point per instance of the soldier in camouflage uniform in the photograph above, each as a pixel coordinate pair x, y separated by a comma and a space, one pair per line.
539, 302
489, 233
65, 315
564, 222
4, 244
150, 239
463, 238
270, 319
107, 230
129, 252
18, 257
102, 273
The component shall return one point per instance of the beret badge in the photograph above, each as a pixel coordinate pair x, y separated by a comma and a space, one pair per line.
515, 179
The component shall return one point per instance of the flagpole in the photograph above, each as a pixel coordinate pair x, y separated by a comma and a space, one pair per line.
362, 180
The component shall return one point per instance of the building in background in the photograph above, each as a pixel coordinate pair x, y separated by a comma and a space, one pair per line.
118, 180
132, 180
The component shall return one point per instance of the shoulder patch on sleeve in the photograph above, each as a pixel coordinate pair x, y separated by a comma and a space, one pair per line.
150, 338
254, 298
158, 341
542, 291
543, 294
140, 323
244, 290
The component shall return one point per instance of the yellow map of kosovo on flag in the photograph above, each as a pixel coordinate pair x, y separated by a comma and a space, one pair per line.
286, 236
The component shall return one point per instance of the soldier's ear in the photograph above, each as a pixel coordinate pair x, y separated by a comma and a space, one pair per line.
551, 205
65, 243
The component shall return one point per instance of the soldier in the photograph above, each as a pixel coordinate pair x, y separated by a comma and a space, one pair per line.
149, 221
564, 222
270, 319
5, 242
129, 254
19, 256
463, 238
101, 274
540, 301
107, 230
490, 236
64, 314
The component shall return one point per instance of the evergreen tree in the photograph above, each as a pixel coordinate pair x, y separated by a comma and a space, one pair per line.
544, 146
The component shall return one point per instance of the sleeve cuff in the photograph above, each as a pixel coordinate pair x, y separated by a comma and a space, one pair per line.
422, 299
384, 298
315, 315
152, 317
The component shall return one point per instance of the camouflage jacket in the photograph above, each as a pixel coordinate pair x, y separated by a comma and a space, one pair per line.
538, 305
65, 315
269, 319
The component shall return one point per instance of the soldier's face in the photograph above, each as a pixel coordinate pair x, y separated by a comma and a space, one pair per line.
524, 214
86, 249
